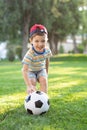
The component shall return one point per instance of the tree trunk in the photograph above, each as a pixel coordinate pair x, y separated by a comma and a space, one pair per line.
25, 32
26, 21
74, 44
53, 43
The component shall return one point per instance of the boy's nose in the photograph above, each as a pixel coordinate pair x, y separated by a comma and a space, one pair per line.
41, 45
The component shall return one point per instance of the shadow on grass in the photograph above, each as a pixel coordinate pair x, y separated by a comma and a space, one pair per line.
10, 89
72, 57
19, 119
68, 64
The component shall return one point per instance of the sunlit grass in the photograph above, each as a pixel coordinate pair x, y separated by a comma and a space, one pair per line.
67, 91
9, 102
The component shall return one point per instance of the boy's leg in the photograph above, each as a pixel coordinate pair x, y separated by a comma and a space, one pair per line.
32, 79
42, 78
43, 84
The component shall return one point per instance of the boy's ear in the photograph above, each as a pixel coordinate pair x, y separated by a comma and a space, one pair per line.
29, 39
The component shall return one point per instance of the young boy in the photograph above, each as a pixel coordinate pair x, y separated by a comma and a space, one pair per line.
36, 60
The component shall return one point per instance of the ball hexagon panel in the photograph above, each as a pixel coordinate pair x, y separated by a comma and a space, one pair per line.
38, 104
29, 111
28, 98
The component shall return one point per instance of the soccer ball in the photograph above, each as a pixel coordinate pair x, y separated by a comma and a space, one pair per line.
37, 103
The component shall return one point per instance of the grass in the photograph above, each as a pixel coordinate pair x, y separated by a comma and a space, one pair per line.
67, 92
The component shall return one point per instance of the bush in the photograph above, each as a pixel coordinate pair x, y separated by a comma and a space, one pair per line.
80, 48
10, 55
61, 49
71, 52
10, 52
19, 52
84, 42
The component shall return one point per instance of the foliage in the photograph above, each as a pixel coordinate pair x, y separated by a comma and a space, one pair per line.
67, 92
10, 19
80, 48
71, 51
66, 21
83, 12
60, 17
84, 43
10, 55
10, 52
19, 52
61, 49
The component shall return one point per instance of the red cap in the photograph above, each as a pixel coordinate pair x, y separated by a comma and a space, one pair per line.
37, 28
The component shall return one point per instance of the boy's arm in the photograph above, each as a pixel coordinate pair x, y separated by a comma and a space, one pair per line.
25, 75
26, 79
47, 64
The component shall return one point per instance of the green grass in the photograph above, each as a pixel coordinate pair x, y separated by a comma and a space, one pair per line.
67, 92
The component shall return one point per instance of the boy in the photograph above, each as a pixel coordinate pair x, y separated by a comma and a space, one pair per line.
36, 60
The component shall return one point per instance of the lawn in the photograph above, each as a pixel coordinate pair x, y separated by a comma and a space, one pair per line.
67, 92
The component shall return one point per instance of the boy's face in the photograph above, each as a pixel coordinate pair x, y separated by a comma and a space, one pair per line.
39, 42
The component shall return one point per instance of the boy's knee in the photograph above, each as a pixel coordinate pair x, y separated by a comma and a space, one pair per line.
33, 81
43, 79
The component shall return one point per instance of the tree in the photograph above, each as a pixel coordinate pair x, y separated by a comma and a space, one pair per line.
19, 15
66, 21
82, 7
59, 16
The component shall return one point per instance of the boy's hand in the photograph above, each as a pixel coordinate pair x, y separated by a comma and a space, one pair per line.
30, 89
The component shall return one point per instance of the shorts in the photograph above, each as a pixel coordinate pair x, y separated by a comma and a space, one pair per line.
37, 74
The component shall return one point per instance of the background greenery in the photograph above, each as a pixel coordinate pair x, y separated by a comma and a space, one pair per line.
61, 18
67, 92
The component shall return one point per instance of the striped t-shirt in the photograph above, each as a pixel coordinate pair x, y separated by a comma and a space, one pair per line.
36, 60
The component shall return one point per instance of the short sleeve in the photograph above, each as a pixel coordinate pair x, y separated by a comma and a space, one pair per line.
27, 58
48, 53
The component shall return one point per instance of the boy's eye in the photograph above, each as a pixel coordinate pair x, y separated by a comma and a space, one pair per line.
43, 41
36, 41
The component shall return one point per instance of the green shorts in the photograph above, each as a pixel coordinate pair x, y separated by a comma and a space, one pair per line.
37, 74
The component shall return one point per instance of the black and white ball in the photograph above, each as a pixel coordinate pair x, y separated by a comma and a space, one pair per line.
37, 103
